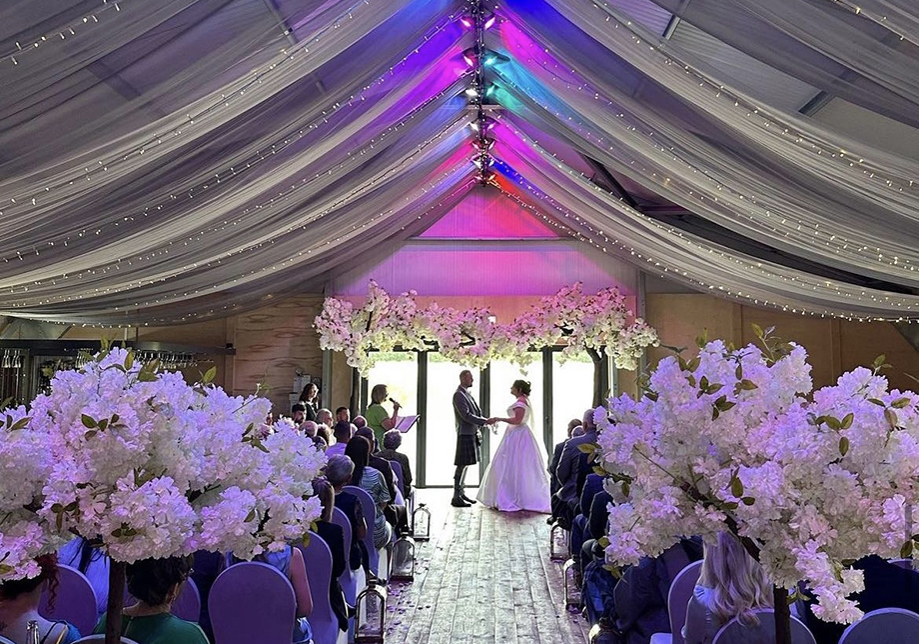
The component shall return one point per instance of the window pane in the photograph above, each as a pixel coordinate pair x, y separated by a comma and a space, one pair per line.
502, 375
443, 379
398, 370
573, 384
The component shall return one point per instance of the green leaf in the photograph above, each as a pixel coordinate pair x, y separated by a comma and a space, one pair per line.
88, 421
738, 372
103, 424
210, 374
847, 420
715, 413
737, 487
694, 363
651, 395
89, 433
906, 550
250, 516
19, 424
843, 445
833, 423
891, 416
748, 500
603, 541
757, 330
879, 361
900, 403
626, 488
684, 366
748, 385
879, 403
702, 338
588, 448
599, 470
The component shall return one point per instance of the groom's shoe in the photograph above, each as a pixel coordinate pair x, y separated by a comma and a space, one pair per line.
468, 500
458, 502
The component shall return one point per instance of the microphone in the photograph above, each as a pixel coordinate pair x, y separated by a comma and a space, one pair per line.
394, 402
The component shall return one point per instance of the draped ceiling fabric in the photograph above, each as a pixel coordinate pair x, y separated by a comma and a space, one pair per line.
162, 161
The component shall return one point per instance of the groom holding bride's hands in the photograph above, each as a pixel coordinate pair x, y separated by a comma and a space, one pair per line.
468, 437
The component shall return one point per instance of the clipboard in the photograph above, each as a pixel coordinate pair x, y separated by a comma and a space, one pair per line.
406, 423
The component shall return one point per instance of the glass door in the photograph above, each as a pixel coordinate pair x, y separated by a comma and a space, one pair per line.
398, 370
440, 425
572, 391
502, 375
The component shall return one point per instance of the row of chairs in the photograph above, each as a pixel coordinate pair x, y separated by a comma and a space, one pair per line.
879, 626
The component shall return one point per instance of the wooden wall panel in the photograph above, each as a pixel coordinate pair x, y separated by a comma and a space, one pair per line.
814, 334
862, 342
681, 317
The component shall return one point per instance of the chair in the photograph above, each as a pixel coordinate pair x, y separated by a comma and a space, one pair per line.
3, 640
735, 632
370, 513
252, 602
75, 600
884, 625
906, 564
397, 470
187, 605
351, 580
87, 640
318, 559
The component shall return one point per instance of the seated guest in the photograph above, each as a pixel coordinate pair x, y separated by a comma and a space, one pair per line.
338, 471
597, 520
359, 421
392, 440
320, 443
92, 562
592, 487
887, 585
396, 512
156, 584
334, 536
573, 424
731, 584
366, 477
343, 430
571, 472
641, 595
19, 601
323, 430
309, 428
324, 417
342, 413
298, 414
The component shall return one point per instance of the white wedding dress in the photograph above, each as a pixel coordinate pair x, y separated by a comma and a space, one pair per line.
516, 478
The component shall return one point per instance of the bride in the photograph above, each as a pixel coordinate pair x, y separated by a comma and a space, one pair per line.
516, 477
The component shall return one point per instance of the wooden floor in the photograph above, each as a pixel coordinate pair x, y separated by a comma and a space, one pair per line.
484, 577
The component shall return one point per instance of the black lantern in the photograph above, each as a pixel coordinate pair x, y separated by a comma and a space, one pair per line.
572, 585
370, 615
421, 523
403, 559
558, 543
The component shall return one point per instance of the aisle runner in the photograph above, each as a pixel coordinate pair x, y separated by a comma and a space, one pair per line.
485, 577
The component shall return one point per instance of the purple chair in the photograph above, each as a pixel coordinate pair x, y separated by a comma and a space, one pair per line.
736, 632
99, 639
318, 559
187, 605
370, 514
884, 625
397, 470
350, 580
75, 600
677, 601
252, 602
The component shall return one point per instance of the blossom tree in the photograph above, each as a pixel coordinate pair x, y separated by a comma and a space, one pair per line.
144, 465
600, 325
727, 441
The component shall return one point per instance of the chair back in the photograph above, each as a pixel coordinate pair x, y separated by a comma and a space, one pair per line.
736, 632
347, 579
75, 600
98, 639
397, 470
678, 598
884, 625
3, 640
187, 605
252, 602
906, 564
318, 559
370, 514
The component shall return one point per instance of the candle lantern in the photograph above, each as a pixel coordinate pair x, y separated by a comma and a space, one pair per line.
421, 523
558, 543
370, 615
572, 585
403, 559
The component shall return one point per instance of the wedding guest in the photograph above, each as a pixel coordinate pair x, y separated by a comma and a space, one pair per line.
334, 536
19, 601
359, 421
396, 513
342, 413
310, 401
156, 584
309, 428
378, 419
592, 486
392, 440
571, 471
887, 585
323, 430
554, 485
343, 432
324, 417
338, 471
298, 413
731, 584
320, 443
372, 482
92, 562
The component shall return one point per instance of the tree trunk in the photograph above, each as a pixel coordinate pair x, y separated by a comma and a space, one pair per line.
116, 577
601, 376
782, 615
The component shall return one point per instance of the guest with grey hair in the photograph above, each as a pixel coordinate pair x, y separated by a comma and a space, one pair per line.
359, 421
338, 472
324, 417
392, 440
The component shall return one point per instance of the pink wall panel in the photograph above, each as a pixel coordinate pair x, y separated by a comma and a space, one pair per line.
487, 214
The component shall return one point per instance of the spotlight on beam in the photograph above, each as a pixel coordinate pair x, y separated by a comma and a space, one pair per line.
468, 21
489, 19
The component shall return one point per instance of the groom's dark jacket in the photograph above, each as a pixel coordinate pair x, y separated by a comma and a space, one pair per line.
468, 415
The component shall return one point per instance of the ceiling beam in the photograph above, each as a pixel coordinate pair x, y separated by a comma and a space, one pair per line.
609, 182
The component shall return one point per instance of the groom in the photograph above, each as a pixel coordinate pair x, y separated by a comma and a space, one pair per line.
468, 437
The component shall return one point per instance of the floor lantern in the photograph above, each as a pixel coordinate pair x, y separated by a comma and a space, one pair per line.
558, 543
370, 615
572, 585
403, 559
421, 523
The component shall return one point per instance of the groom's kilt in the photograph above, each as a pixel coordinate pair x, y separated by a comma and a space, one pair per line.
467, 449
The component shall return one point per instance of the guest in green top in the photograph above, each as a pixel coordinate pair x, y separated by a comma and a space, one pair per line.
378, 419
156, 584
